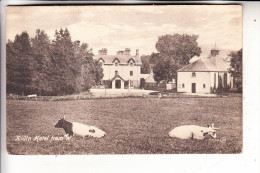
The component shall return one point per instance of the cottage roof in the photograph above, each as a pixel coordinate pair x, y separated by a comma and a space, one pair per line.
211, 63
123, 59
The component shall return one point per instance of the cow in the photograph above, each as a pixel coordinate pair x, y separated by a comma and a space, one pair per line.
78, 129
193, 132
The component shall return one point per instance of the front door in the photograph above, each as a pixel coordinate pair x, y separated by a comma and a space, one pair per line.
118, 84
193, 87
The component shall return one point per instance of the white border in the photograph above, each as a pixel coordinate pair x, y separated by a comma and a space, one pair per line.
248, 161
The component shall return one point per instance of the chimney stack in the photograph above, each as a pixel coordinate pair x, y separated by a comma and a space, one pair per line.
214, 52
103, 51
120, 52
137, 52
127, 51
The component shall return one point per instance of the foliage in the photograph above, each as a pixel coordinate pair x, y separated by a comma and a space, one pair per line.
236, 68
50, 67
142, 83
41, 46
145, 68
175, 51
19, 64
164, 70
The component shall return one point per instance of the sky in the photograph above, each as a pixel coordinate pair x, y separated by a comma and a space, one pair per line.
134, 27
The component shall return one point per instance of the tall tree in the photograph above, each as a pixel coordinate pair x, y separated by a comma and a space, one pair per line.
91, 73
177, 50
50, 68
236, 67
42, 67
64, 64
19, 65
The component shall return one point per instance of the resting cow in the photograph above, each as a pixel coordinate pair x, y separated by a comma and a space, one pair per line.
78, 129
193, 132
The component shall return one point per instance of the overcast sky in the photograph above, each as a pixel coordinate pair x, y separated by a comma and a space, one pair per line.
134, 27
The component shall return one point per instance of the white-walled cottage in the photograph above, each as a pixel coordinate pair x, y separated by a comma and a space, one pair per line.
121, 70
205, 75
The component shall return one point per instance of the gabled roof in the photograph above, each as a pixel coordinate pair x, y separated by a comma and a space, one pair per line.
117, 76
123, 59
131, 59
116, 59
217, 63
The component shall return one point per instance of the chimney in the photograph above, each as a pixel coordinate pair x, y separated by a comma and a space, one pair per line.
214, 52
120, 52
103, 51
127, 51
137, 52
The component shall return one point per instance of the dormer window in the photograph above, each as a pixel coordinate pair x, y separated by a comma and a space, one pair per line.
193, 74
131, 62
101, 61
116, 62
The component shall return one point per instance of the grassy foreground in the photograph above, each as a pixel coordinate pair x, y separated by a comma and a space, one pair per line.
133, 125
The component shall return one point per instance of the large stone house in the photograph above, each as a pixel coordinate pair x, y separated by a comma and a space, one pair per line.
121, 70
205, 75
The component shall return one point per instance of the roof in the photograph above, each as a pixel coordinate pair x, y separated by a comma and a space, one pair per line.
117, 76
217, 63
144, 75
150, 79
123, 59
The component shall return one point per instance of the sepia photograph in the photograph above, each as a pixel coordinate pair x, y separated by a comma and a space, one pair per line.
124, 79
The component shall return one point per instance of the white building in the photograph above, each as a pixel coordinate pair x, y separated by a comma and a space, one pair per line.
121, 70
205, 75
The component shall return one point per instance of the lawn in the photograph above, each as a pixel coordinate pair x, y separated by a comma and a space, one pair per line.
133, 125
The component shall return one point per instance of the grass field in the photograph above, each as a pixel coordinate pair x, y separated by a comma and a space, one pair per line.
133, 125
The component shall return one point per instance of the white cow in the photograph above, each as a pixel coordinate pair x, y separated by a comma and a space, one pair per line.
193, 132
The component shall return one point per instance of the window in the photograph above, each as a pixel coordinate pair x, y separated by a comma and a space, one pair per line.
100, 63
131, 73
116, 72
204, 85
116, 63
183, 85
131, 64
193, 74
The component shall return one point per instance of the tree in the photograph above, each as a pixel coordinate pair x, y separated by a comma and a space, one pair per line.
164, 69
46, 67
42, 67
236, 67
19, 65
91, 73
145, 68
64, 71
177, 50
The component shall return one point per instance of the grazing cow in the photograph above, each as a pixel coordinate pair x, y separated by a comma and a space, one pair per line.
193, 132
73, 128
